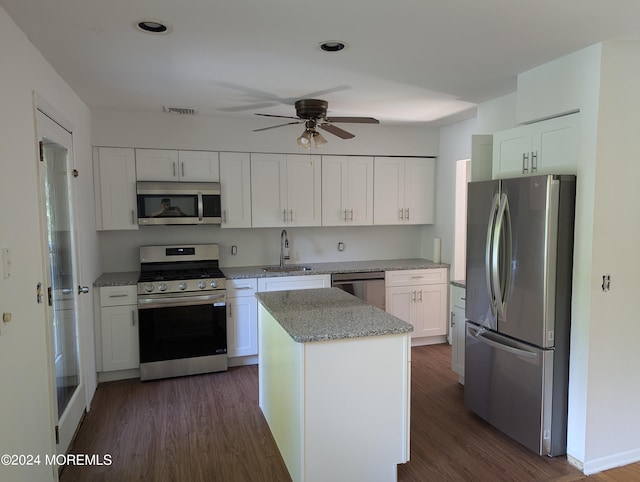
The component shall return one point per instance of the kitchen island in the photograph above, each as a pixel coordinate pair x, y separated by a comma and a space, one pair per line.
334, 384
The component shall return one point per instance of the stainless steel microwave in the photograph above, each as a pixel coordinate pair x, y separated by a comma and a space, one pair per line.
163, 203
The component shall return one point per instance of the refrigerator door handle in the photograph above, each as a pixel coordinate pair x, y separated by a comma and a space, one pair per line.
501, 250
479, 335
495, 205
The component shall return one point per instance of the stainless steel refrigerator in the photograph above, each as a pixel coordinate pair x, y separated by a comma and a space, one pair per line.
518, 307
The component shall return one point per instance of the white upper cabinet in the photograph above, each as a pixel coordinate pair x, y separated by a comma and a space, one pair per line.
172, 165
347, 190
547, 147
114, 171
235, 186
403, 190
285, 190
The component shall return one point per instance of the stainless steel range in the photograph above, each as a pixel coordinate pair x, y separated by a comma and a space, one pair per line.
182, 311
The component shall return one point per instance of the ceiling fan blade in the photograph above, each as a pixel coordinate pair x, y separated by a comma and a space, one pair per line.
249, 107
281, 116
279, 125
336, 131
354, 120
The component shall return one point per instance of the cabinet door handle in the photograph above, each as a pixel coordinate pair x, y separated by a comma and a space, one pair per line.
420, 296
182, 168
291, 216
401, 214
133, 217
534, 161
351, 216
224, 216
119, 296
284, 216
407, 216
133, 317
413, 296
525, 162
230, 311
453, 319
175, 173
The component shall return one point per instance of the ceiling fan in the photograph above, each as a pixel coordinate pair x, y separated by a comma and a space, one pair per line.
313, 113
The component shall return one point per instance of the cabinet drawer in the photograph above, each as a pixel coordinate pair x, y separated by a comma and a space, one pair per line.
238, 288
410, 277
119, 295
459, 297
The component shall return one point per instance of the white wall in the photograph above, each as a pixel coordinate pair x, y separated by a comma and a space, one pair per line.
613, 383
27, 423
259, 246
455, 144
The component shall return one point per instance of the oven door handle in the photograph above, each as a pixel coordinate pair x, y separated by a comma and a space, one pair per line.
164, 302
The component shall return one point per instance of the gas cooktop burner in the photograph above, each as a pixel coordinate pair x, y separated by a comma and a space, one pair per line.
180, 274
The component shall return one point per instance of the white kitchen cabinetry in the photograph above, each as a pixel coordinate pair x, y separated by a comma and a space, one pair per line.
347, 190
235, 186
419, 297
403, 190
119, 328
242, 317
114, 179
172, 165
547, 147
302, 282
458, 330
285, 190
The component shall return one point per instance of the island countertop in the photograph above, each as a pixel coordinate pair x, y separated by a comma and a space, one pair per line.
328, 314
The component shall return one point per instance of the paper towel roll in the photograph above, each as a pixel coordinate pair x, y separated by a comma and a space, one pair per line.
437, 250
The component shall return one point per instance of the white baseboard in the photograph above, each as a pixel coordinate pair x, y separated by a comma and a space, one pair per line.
611, 461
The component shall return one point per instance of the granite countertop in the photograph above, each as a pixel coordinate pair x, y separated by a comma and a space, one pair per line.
328, 314
336, 267
124, 278
460, 283
244, 272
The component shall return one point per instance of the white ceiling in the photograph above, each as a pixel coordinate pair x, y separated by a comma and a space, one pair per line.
407, 61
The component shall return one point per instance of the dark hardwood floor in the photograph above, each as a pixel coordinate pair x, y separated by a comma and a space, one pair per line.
209, 428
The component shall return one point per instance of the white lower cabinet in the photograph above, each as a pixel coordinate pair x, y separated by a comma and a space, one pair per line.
119, 328
303, 282
458, 295
242, 317
419, 297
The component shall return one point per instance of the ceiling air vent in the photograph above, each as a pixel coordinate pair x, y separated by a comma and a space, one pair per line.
179, 110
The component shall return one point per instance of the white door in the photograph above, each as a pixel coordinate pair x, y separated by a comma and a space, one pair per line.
62, 288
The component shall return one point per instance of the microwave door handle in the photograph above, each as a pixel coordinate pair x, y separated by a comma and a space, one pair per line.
200, 207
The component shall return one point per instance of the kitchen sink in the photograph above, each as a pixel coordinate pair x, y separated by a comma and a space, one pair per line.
286, 269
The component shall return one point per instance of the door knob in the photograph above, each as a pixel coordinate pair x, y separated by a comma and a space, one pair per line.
83, 289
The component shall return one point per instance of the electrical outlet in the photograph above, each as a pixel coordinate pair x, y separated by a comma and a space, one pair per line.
340, 246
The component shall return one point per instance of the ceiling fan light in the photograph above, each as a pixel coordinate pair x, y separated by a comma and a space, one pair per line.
318, 140
305, 139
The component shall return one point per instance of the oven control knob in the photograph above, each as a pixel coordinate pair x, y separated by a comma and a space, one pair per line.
214, 284
202, 285
148, 287
182, 285
162, 286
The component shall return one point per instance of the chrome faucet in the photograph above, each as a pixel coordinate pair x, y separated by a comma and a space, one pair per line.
284, 245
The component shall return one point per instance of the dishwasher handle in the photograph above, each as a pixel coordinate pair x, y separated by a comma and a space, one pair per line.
346, 278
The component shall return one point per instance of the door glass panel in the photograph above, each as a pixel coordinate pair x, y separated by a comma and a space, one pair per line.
60, 248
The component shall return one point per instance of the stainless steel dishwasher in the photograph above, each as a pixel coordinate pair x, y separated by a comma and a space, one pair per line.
368, 286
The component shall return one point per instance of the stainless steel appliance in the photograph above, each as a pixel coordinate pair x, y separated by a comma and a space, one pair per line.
368, 286
518, 306
182, 311
178, 203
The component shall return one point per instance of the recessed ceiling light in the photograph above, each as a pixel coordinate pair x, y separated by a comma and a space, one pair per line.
153, 26
333, 45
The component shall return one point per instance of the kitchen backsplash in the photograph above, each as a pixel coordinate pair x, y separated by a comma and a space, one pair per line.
261, 246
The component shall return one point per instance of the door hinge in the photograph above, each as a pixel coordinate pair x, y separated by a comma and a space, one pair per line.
50, 296
57, 430
41, 146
